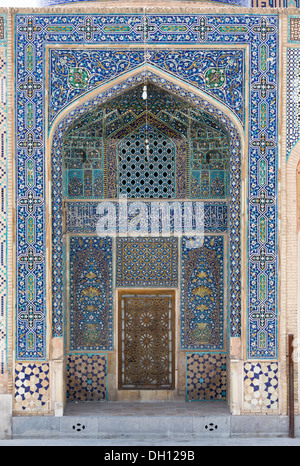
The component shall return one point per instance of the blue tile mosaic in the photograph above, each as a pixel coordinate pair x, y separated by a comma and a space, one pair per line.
201, 68
202, 294
260, 32
147, 262
91, 302
82, 217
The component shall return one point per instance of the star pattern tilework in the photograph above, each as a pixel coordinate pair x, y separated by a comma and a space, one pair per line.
32, 387
261, 386
206, 376
86, 377
147, 262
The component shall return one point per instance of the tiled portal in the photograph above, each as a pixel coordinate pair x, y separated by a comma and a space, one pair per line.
85, 135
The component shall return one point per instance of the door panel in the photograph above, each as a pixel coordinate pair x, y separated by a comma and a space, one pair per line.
146, 340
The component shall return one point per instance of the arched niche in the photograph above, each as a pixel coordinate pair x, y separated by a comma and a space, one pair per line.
215, 111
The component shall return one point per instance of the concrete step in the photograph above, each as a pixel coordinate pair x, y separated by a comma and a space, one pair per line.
120, 426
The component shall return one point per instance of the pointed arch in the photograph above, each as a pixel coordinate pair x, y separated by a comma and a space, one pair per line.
218, 111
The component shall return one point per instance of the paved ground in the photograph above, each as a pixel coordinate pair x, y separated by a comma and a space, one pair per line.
148, 443
153, 408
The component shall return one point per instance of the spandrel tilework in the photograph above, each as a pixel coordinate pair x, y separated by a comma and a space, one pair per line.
218, 73
260, 32
202, 294
90, 312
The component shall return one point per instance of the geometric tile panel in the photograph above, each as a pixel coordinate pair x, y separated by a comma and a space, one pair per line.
147, 262
86, 377
205, 376
294, 29
31, 387
261, 386
293, 98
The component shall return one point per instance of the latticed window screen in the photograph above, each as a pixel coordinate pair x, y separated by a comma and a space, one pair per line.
147, 175
146, 341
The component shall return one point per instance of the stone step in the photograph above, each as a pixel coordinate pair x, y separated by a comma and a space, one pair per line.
150, 421
127, 419
120, 426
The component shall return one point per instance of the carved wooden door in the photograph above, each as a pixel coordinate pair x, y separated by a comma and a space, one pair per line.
146, 340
